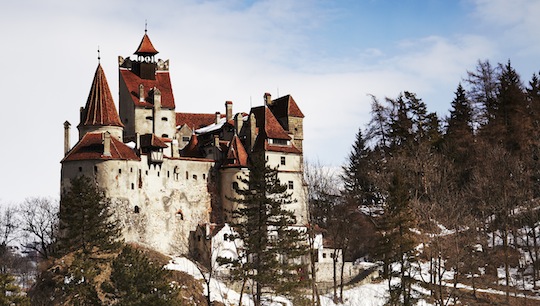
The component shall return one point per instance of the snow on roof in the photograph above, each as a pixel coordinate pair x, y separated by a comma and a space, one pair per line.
212, 127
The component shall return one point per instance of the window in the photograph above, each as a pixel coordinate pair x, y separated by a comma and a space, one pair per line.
165, 135
168, 174
131, 169
146, 172
95, 169
185, 138
119, 171
132, 186
80, 169
164, 119
291, 185
195, 176
323, 255
204, 176
149, 118
283, 160
280, 142
187, 175
158, 174
180, 215
136, 209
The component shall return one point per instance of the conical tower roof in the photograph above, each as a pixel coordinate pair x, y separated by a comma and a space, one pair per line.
100, 109
146, 47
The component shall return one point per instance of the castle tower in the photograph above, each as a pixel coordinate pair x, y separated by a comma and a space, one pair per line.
146, 97
99, 114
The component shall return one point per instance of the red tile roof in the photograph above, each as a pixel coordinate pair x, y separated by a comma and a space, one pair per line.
151, 140
196, 120
146, 47
266, 122
236, 154
192, 148
90, 147
100, 109
286, 106
162, 82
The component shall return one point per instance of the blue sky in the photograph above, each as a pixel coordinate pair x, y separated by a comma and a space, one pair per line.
329, 55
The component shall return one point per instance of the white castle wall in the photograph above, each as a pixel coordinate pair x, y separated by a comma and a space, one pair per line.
156, 205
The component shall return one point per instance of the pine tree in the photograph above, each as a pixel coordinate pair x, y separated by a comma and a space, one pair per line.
135, 280
358, 187
398, 240
85, 219
10, 292
273, 247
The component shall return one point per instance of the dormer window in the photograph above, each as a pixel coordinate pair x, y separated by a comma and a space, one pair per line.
279, 142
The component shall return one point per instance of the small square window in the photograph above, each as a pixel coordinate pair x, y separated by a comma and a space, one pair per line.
119, 171
291, 185
185, 138
283, 160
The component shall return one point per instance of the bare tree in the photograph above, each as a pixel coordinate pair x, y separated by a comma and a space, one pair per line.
39, 222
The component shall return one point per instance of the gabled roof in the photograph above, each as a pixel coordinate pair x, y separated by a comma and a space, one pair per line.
195, 120
90, 147
152, 141
267, 122
192, 148
236, 154
286, 106
146, 47
100, 109
162, 82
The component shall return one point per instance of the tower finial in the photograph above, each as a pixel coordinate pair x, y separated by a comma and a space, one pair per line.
145, 26
98, 55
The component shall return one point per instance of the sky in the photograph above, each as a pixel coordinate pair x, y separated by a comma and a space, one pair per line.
329, 55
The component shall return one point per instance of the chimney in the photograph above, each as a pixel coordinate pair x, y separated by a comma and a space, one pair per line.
218, 116
268, 99
238, 122
252, 130
228, 110
137, 141
174, 148
67, 145
141, 93
157, 98
216, 147
106, 144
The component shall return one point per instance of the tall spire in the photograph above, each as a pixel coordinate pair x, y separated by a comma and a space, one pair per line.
100, 109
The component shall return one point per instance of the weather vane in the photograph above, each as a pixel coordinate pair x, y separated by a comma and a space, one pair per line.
98, 55
145, 26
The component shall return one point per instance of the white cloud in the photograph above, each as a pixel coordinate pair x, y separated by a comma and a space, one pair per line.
219, 50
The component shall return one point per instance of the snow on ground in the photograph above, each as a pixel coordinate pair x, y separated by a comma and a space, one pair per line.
365, 295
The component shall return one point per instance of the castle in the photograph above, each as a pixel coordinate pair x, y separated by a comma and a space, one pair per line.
169, 174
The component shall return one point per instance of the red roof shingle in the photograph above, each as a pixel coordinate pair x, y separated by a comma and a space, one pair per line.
90, 147
266, 122
146, 47
237, 155
196, 120
100, 109
162, 82
286, 106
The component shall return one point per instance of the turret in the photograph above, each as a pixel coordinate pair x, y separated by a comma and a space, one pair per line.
99, 113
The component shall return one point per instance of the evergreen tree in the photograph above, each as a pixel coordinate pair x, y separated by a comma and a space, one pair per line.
85, 219
358, 187
135, 280
398, 240
10, 292
273, 248
459, 137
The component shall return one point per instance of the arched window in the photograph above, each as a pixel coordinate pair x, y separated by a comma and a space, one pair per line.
136, 209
